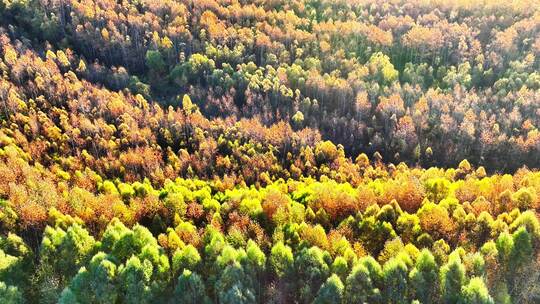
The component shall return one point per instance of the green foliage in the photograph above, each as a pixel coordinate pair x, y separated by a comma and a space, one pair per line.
424, 278
395, 281
330, 292
453, 278
200, 151
437, 189
15, 261
190, 289
8, 267
63, 253
122, 242
137, 284
374, 233
10, 294
93, 284
360, 287
154, 61
475, 292
522, 250
340, 267
311, 272
186, 258
235, 286
281, 259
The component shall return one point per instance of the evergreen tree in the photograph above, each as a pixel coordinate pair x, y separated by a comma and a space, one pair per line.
360, 286
424, 278
395, 281
311, 270
190, 289
330, 292
94, 284
452, 276
475, 292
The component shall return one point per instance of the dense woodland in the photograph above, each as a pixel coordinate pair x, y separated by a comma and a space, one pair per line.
283, 151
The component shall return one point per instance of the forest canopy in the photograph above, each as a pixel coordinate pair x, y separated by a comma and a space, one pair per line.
283, 151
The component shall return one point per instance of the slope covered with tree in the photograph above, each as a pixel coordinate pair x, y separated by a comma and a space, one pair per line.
269, 151
399, 78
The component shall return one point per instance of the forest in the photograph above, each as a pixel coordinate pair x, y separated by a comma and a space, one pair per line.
269, 151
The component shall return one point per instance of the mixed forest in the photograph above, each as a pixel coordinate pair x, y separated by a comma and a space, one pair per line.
270, 151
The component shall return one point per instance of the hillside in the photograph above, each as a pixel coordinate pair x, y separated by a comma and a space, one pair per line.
284, 151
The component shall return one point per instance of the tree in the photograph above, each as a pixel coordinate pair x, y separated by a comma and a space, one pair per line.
298, 119
190, 289
424, 278
330, 292
340, 267
437, 189
452, 276
63, 253
374, 233
186, 258
524, 198
136, 282
520, 257
155, 62
235, 286
16, 263
505, 247
93, 284
281, 260
122, 242
10, 294
436, 219
395, 281
326, 152
255, 265
360, 287
311, 271
381, 69
475, 292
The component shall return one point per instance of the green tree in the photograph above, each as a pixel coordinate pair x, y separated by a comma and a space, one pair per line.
136, 282
155, 62
505, 247
381, 69
424, 278
186, 258
437, 189
520, 258
395, 281
281, 260
10, 294
122, 242
374, 233
311, 270
452, 276
95, 284
235, 286
190, 289
16, 262
359, 286
255, 266
340, 267
63, 253
475, 292
330, 292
